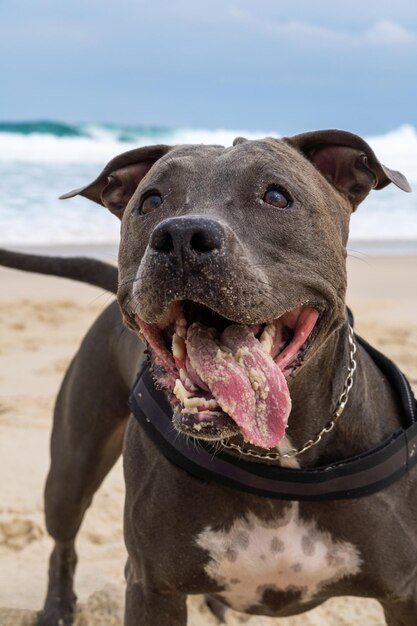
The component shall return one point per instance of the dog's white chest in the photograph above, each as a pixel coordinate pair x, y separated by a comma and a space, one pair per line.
286, 555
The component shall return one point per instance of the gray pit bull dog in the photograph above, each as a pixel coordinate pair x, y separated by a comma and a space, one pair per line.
232, 269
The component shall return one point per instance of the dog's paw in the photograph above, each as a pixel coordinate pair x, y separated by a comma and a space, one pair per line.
57, 611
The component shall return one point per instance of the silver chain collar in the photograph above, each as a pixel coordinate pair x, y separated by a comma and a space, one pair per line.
275, 456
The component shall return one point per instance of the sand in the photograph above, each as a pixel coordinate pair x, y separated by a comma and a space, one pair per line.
42, 322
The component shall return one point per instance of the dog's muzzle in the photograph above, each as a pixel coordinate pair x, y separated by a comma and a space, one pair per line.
225, 377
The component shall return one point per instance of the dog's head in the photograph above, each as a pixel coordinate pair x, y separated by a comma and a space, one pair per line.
232, 267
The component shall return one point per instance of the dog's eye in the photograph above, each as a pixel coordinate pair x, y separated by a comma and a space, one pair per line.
277, 198
150, 203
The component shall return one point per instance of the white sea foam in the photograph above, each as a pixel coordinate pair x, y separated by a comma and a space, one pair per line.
102, 143
37, 166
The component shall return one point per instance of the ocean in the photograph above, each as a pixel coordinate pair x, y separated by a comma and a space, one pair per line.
41, 160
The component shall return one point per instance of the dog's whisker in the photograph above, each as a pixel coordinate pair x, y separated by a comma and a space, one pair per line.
359, 256
130, 281
104, 294
126, 305
358, 252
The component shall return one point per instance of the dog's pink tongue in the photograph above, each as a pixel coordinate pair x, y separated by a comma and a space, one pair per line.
244, 380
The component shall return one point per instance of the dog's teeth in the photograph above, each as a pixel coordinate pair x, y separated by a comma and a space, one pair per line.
190, 410
178, 346
201, 403
267, 338
192, 404
187, 382
181, 392
181, 327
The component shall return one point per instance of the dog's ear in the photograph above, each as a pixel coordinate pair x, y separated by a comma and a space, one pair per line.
347, 162
117, 183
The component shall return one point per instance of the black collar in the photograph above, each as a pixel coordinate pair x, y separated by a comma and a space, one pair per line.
357, 476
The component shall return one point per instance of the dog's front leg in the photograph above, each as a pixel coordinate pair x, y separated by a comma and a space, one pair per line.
145, 607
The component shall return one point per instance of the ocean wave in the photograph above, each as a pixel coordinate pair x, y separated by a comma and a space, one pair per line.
46, 127
41, 160
54, 142
94, 131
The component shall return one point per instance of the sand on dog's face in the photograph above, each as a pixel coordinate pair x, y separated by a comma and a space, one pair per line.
43, 320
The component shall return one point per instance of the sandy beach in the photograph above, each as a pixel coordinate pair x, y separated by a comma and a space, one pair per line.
42, 322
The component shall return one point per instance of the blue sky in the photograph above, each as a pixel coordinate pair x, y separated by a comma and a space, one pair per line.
243, 64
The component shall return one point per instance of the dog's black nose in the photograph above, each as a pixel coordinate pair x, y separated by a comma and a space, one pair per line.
182, 235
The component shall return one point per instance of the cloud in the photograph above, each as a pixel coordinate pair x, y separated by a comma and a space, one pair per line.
388, 32
383, 32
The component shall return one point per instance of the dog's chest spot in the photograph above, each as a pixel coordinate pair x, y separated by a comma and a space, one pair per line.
255, 559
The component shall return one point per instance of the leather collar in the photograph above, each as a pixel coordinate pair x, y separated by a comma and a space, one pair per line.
357, 476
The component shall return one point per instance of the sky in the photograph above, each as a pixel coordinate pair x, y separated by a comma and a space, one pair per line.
273, 65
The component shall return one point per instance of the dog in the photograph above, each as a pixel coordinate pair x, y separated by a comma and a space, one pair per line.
232, 274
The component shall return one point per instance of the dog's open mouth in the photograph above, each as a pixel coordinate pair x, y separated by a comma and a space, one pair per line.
224, 378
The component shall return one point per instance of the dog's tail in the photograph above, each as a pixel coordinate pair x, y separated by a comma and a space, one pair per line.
83, 269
